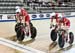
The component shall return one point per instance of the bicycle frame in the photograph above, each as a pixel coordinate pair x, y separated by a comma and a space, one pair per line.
59, 31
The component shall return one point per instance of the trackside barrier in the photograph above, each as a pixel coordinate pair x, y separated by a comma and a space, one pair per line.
19, 47
37, 16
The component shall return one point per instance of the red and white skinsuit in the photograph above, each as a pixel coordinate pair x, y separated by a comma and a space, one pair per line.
23, 17
66, 24
62, 23
55, 19
65, 21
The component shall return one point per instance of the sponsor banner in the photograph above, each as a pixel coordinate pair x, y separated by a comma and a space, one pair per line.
11, 17
0, 17
47, 15
38, 16
35, 16
7, 17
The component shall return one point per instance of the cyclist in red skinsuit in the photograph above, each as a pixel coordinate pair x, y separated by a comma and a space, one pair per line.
66, 22
23, 15
60, 20
55, 17
23, 12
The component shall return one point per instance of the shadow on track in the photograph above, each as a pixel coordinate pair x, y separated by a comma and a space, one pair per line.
14, 38
27, 42
65, 49
52, 45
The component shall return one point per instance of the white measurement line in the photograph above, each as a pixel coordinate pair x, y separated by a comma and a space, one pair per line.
17, 46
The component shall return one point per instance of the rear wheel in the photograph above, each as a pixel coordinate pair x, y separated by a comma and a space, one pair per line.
71, 37
33, 32
53, 35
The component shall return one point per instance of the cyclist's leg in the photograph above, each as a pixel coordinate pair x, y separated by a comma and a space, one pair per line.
27, 20
27, 28
67, 32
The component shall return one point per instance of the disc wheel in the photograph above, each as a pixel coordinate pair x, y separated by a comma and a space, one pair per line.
53, 35
20, 35
17, 26
71, 37
61, 41
33, 32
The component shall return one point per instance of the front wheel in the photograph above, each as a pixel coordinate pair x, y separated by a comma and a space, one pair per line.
71, 38
33, 32
61, 41
20, 35
53, 35
17, 26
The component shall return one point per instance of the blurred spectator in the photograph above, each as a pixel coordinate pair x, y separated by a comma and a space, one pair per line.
55, 0
52, 5
23, 1
36, 0
67, 0
60, 3
40, 3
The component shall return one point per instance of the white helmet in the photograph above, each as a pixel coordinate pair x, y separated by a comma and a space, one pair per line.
53, 14
60, 15
17, 7
18, 10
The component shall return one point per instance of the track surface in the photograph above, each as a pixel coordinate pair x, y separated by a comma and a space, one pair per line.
42, 41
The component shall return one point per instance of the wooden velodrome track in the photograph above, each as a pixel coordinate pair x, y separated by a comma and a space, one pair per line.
42, 41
